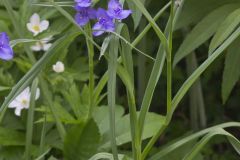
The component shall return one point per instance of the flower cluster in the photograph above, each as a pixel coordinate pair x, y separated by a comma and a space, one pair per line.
36, 26
105, 18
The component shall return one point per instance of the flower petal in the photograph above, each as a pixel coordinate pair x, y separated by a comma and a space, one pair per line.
37, 94
83, 3
35, 19
18, 111
37, 47
98, 29
124, 14
4, 39
44, 25
81, 20
14, 104
46, 46
6, 52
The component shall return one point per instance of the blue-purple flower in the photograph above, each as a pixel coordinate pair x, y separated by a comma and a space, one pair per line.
6, 52
83, 3
84, 14
115, 10
105, 23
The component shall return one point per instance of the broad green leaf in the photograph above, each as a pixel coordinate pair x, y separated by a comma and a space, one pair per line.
82, 141
123, 131
9, 137
101, 117
203, 30
231, 72
226, 28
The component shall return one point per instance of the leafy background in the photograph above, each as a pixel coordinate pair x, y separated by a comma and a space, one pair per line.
202, 27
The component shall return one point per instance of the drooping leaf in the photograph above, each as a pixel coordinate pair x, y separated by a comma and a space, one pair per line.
231, 71
226, 28
203, 30
194, 10
219, 131
82, 141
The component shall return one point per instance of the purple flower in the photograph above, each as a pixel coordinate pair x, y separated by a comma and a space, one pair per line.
105, 23
6, 52
115, 10
83, 3
84, 14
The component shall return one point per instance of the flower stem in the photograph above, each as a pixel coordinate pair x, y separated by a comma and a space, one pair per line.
91, 70
30, 120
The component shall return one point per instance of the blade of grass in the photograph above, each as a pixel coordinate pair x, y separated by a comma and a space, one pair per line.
148, 27
112, 67
155, 75
197, 147
30, 120
158, 31
170, 148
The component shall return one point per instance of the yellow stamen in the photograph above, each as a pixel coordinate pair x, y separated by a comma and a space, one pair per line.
36, 28
24, 102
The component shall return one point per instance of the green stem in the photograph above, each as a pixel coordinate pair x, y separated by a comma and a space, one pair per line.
91, 70
30, 120
43, 133
152, 141
112, 67
175, 12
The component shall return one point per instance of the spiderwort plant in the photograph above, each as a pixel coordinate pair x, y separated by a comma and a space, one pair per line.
6, 51
105, 23
116, 11
83, 3
84, 14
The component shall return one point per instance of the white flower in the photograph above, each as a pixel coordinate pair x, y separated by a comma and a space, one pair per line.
22, 101
58, 67
36, 26
42, 45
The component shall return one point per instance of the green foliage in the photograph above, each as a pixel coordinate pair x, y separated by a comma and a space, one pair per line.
81, 141
9, 137
231, 73
72, 120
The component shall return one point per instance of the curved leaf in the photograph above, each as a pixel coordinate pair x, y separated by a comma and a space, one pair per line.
203, 30
231, 73
227, 27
